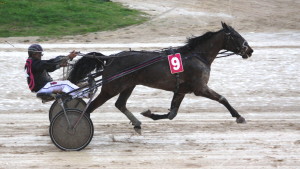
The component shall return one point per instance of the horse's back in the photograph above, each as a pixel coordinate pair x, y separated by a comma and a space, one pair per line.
154, 75
127, 59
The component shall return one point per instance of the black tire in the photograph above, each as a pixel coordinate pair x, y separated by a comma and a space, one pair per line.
76, 103
66, 138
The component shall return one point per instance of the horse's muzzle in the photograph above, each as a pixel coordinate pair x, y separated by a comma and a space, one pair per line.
247, 53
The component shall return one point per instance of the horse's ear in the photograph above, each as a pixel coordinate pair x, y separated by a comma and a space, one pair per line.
224, 25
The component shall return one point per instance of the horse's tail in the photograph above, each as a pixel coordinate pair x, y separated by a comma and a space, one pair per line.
85, 65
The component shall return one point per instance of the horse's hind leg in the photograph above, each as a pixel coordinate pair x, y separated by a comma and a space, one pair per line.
121, 105
209, 93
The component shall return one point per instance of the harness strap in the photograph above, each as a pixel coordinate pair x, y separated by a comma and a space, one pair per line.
177, 83
133, 69
142, 65
225, 54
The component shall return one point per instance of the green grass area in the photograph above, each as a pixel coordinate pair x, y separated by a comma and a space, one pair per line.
63, 17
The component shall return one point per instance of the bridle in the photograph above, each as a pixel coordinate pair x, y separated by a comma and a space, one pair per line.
228, 38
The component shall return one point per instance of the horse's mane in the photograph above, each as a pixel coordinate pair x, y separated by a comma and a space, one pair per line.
194, 41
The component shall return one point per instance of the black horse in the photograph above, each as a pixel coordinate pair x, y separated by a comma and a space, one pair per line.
197, 56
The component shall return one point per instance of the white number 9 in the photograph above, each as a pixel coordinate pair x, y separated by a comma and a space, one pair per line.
175, 63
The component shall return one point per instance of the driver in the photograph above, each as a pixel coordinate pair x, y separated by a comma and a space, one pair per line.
38, 78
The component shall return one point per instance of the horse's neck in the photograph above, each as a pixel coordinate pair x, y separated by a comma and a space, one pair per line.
210, 49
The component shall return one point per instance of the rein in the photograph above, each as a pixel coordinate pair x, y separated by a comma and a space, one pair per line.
142, 65
225, 54
134, 68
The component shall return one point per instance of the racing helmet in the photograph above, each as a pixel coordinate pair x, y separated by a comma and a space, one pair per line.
35, 48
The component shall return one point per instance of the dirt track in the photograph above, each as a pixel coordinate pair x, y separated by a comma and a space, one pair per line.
264, 89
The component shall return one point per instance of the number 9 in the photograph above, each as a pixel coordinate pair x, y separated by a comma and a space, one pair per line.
175, 63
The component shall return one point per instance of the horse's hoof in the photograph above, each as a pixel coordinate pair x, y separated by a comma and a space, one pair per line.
138, 129
147, 113
241, 120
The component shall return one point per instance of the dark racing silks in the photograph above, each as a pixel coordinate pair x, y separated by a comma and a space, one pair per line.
37, 71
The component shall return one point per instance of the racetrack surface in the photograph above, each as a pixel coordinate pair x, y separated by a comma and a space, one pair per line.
264, 89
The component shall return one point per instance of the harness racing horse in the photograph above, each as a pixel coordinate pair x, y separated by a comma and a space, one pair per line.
197, 56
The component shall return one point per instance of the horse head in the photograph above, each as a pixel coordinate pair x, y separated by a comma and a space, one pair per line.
234, 42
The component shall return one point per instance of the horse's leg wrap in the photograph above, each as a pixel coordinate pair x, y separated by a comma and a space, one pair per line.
221, 99
173, 113
135, 122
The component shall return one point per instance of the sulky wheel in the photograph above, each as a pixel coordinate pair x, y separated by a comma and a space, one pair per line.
76, 103
67, 137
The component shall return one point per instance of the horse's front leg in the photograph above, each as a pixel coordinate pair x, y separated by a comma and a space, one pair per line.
176, 101
209, 93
